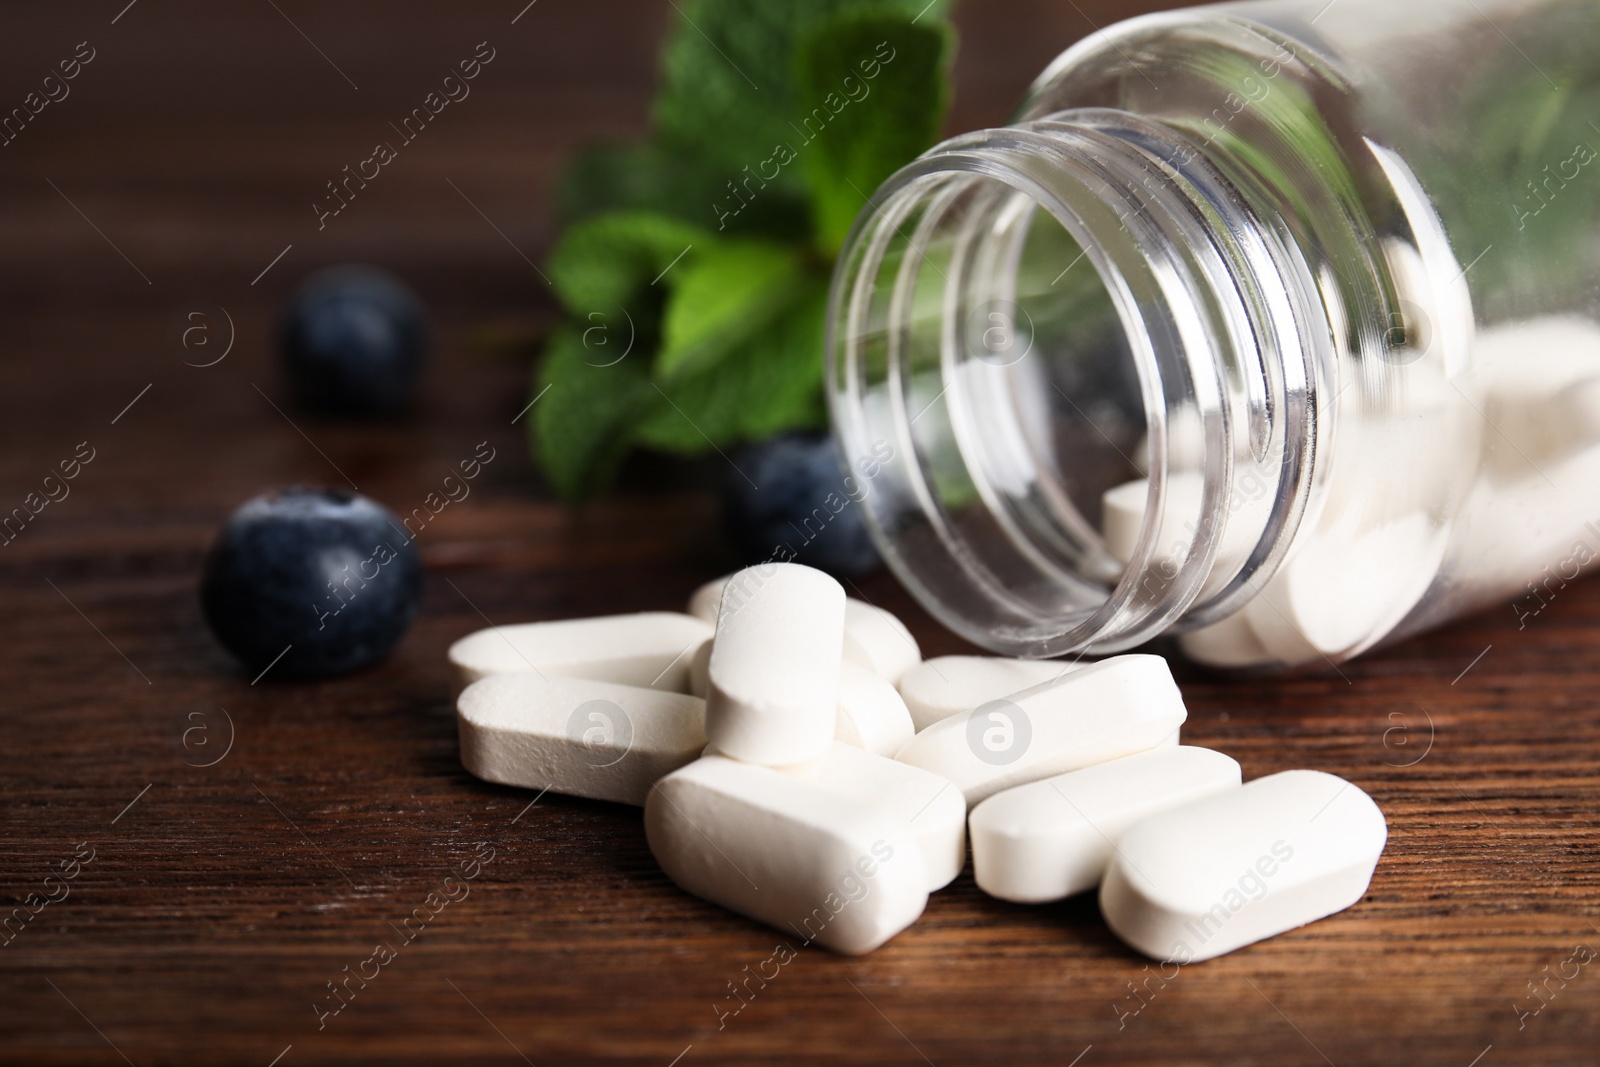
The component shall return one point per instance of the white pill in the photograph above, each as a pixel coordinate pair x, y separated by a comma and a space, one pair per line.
1099, 712
787, 852
652, 648
1421, 416
704, 602
774, 671
874, 637
1198, 881
871, 714
884, 788
878, 641
1511, 530
950, 685
1228, 643
1537, 381
700, 670
1050, 839
575, 736
1122, 516
1337, 594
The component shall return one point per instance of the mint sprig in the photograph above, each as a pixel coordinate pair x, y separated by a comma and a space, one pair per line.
874, 88
695, 266
759, 390
721, 300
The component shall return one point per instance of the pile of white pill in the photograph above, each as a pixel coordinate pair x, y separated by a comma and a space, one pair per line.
1459, 483
800, 763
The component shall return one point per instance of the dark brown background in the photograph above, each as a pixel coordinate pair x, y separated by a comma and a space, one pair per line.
220, 903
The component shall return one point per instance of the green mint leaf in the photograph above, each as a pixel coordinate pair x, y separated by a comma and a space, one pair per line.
603, 178
769, 383
873, 90
684, 185
728, 93
605, 262
722, 297
592, 403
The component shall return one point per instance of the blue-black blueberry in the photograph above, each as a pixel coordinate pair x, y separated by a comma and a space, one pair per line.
354, 340
328, 575
791, 495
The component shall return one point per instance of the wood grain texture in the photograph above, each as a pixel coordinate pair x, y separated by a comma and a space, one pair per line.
222, 899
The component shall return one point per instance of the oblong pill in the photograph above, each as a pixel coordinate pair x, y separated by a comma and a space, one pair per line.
1123, 510
874, 637
786, 852
1099, 712
576, 736
1338, 593
1050, 839
651, 648
774, 669
878, 640
700, 670
1228, 643
705, 601
1537, 417
1195, 882
884, 788
950, 685
871, 713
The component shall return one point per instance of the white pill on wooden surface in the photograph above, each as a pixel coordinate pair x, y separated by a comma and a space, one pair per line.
1195, 882
774, 670
576, 736
950, 685
1123, 509
874, 637
885, 788
651, 648
878, 641
799, 857
1099, 712
871, 713
1050, 839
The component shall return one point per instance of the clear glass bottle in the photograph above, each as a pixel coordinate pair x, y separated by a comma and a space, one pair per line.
1274, 326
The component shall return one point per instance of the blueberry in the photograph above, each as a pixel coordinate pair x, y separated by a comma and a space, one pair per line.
329, 575
799, 502
354, 340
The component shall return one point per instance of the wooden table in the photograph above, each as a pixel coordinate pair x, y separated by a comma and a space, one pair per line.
221, 900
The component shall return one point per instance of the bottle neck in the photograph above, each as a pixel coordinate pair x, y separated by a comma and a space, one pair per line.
1031, 316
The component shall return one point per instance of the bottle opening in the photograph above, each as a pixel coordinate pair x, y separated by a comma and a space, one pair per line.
1034, 409
1049, 321
1027, 324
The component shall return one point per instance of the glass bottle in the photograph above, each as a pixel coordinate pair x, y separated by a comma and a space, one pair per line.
1274, 326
